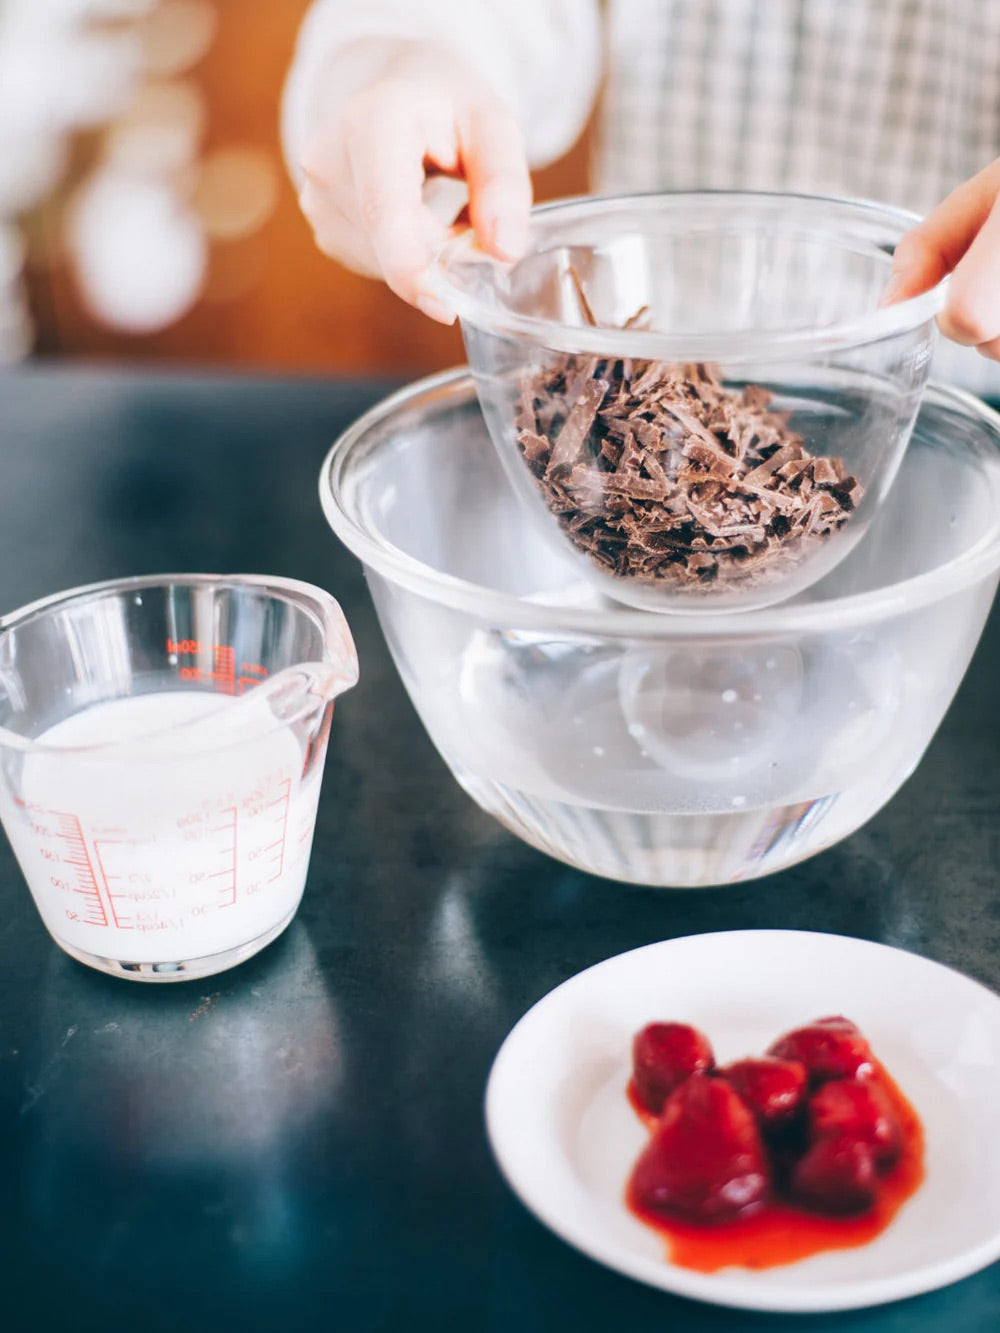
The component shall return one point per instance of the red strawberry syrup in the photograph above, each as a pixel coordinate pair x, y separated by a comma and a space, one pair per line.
780, 1233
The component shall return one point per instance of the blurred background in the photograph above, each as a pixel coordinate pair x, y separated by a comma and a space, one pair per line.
145, 210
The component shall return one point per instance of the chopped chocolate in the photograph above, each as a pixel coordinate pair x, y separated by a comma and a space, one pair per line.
662, 473
565, 448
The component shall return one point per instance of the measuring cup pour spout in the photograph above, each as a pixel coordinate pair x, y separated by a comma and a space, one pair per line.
161, 750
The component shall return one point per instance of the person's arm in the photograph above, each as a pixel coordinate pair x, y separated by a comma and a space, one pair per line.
960, 237
385, 97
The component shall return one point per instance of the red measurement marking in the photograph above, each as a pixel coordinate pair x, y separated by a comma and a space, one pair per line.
226, 892
104, 850
251, 674
281, 806
224, 674
70, 833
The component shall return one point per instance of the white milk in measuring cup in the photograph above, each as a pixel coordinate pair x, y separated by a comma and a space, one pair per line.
184, 834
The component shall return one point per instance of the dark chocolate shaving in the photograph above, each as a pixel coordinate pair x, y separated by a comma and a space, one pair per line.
662, 473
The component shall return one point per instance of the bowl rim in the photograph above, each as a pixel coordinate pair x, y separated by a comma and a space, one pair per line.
333, 673
615, 621
882, 322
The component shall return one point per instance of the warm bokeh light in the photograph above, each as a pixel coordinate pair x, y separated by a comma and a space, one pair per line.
160, 131
236, 192
176, 35
140, 162
140, 254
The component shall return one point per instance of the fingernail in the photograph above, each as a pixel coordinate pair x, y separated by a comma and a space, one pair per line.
510, 236
434, 309
894, 289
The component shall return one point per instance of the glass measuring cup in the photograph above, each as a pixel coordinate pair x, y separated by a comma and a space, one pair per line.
162, 742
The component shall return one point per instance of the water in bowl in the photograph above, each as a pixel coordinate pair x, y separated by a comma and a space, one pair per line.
674, 767
687, 760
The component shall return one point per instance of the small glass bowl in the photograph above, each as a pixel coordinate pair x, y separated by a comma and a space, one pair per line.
640, 368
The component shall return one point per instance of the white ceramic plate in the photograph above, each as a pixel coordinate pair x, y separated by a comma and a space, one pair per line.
566, 1137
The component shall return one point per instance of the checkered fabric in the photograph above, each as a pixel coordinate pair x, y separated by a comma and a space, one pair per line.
895, 100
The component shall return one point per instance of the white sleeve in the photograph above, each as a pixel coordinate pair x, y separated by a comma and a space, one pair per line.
543, 57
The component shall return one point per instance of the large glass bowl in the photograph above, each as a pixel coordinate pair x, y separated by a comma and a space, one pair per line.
665, 750
641, 367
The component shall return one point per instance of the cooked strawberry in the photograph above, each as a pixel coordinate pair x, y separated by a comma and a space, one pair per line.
773, 1089
829, 1048
705, 1161
837, 1175
847, 1108
663, 1055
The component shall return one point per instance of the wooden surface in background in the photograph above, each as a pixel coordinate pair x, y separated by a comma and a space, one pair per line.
272, 300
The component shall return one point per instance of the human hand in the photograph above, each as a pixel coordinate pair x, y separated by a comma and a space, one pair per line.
961, 237
391, 116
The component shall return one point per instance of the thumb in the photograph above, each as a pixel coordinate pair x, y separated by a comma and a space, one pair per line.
932, 249
917, 265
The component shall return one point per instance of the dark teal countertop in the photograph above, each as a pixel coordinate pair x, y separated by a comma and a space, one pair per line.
298, 1144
